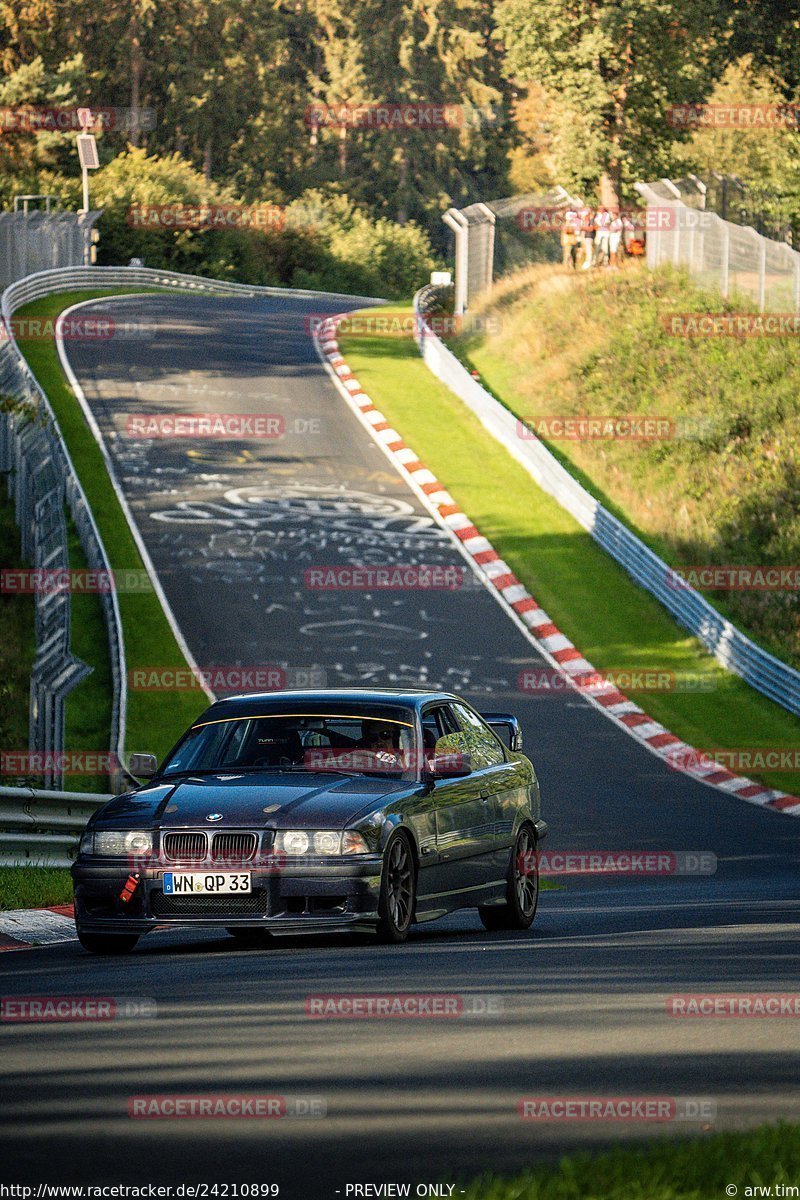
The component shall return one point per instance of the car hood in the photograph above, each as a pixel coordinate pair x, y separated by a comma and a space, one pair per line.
281, 801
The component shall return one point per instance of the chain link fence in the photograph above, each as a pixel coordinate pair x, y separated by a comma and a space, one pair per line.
733, 259
492, 239
692, 223
40, 241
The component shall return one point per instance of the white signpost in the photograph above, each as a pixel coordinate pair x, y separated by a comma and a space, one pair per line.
90, 161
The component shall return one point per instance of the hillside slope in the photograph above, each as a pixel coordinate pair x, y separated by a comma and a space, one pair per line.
723, 487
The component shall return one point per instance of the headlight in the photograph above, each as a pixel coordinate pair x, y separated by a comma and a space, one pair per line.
114, 843
325, 842
293, 841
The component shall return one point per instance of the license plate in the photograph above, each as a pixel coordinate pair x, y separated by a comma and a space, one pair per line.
201, 884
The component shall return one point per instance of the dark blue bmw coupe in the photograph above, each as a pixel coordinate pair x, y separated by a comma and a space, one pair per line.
313, 811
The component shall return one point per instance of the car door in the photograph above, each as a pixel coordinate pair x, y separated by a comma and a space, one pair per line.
498, 779
464, 817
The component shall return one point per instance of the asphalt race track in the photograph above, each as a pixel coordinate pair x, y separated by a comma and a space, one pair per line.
579, 1004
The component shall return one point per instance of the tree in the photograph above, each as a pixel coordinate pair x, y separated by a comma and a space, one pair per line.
767, 160
769, 31
612, 68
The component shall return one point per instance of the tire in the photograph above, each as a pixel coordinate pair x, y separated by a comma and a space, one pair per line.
522, 889
108, 943
398, 894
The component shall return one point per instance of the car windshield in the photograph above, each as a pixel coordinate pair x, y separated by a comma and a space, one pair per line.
346, 744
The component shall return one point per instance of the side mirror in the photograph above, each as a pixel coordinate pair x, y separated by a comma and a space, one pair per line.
451, 764
506, 727
143, 766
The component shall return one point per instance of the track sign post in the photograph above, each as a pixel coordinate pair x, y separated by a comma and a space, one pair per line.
87, 152
90, 161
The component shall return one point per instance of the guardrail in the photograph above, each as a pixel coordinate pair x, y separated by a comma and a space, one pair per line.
42, 478
42, 827
733, 649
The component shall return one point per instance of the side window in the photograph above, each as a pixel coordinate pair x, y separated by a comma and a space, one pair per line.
437, 723
481, 743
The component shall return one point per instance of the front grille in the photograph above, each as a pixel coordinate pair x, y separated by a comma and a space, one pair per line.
185, 847
234, 847
254, 904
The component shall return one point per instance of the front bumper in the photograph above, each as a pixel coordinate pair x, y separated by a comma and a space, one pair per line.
309, 896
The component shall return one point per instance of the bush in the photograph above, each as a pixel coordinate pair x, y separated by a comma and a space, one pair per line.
325, 243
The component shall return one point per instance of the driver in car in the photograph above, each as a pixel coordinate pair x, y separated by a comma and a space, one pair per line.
381, 740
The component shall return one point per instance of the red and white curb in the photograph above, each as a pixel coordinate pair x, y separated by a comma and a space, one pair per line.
551, 643
24, 928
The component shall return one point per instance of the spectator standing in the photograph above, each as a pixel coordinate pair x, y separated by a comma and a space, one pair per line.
588, 230
615, 232
570, 231
602, 241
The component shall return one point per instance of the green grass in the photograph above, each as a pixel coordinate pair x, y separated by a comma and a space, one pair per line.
17, 638
599, 344
699, 1169
613, 622
34, 887
155, 719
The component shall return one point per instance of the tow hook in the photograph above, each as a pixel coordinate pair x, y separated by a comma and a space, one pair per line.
131, 884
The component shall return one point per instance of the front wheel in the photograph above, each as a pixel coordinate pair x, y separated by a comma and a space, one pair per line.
108, 943
398, 891
522, 889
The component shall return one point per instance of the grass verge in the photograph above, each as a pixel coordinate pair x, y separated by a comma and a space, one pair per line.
155, 719
34, 887
617, 625
700, 1169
